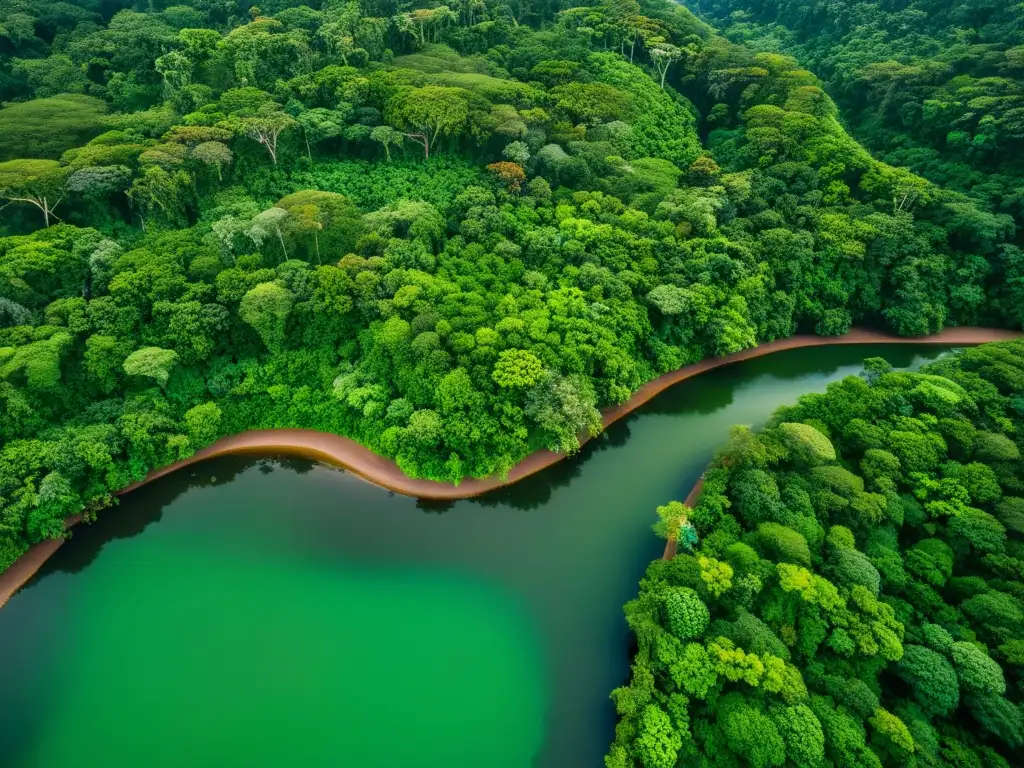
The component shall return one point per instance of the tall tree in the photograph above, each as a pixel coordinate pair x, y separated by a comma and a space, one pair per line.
41, 183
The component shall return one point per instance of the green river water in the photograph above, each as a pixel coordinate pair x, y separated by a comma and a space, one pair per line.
278, 612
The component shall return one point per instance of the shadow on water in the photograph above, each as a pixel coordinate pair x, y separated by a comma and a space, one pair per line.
572, 540
148, 505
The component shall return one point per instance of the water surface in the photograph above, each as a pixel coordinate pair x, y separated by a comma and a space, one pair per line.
278, 612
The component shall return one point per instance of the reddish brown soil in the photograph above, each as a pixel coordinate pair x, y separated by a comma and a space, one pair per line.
691, 502
354, 457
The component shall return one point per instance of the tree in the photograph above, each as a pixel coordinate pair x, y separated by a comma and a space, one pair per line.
215, 154
996, 612
268, 224
41, 183
332, 220
783, 544
516, 152
848, 567
319, 125
98, 182
685, 613
39, 362
266, 127
203, 424
339, 32
673, 516
517, 368
801, 733
162, 193
891, 735
428, 113
992, 447
750, 732
52, 76
266, 308
594, 103
931, 560
562, 406
387, 137
664, 55
153, 362
56, 501
716, 575
694, 671
932, 680
807, 443
999, 717
176, 69
757, 497
977, 671
512, 175
12, 313
658, 743
417, 23
984, 532
104, 358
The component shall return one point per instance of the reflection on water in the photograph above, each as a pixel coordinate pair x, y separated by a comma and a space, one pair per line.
521, 589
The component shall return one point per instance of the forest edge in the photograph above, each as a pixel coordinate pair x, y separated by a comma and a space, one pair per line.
350, 455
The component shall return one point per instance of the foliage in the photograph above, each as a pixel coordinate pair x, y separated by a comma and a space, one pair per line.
873, 644
152, 362
454, 234
914, 87
685, 613
46, 128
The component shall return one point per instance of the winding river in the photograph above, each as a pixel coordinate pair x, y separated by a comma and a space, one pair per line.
274, 611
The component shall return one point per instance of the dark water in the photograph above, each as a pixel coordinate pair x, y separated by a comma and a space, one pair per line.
278, 612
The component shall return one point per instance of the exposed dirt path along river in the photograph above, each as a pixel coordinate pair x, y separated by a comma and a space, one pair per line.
262, 588
352, 456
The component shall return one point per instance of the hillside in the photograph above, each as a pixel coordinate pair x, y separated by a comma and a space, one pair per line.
936, 87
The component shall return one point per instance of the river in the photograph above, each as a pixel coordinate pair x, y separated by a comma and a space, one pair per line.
279, 612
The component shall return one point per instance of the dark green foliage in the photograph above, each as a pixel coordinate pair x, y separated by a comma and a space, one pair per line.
757, 499
999, 718
657, 741
978, 672
849, 567
778, 542
454, 243
931, 560
1010, 512
930, 678
801, 733
751, 733
923, 95
890, 642
749, 632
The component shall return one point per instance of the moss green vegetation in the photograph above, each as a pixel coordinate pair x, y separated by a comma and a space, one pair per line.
857, 593
450, 233
935, 86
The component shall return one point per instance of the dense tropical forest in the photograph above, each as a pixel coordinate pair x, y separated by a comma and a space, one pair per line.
452, 233
932, 85
850, 586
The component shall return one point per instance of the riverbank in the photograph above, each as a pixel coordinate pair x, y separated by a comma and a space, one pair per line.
672, 545
384, 472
